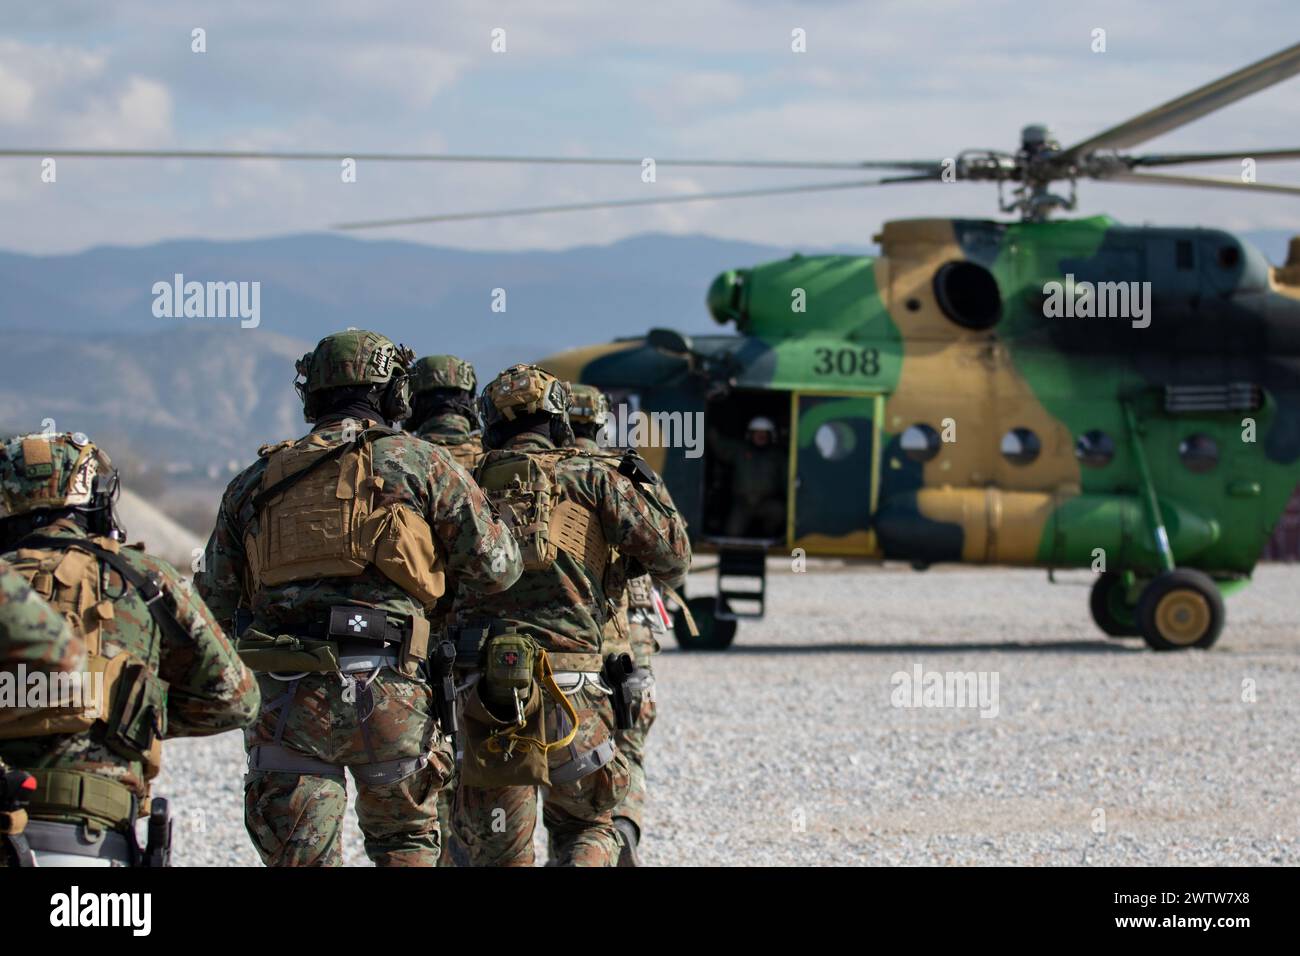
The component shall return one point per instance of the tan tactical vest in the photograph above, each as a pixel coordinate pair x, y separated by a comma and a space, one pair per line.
327, 524
523, 488
467, 453
71, 582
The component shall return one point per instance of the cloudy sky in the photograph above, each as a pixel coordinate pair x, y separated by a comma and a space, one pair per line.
920, 79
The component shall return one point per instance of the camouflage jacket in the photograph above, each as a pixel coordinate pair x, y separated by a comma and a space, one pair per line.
209, 690
563, 607
452, 431
32, 633
479, 551
616, 580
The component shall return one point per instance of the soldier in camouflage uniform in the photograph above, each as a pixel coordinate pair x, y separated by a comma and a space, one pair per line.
633, 629
33, 634
35, 638
559, 603
444, 411
167, 669
332, 547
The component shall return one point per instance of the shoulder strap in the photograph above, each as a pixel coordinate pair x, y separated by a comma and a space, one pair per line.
288, 481
149, 586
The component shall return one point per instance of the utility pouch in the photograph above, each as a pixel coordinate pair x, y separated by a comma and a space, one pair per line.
508, 667
139, 712
287, 653
415, 649
512, 751
406, 554
490, 763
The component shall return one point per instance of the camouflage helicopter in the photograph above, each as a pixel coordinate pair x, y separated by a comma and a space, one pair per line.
1028, 392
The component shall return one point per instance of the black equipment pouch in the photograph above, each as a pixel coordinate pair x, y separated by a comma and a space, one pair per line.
468, 642
139, 713
617, 673
633, 467
441, 665
158, 848
16, 789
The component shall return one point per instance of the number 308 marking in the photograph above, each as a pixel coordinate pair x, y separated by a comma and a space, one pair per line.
847, 362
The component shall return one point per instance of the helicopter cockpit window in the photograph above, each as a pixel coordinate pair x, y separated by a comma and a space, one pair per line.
835, 441
1020, 446
919, 443
1199, 453
1095, 449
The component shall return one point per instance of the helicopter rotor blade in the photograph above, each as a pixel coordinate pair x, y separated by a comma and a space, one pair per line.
1193, 105
1176, 159
1212, 182
258, 154
621, 203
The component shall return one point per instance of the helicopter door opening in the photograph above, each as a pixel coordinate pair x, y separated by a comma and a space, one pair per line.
836, 447
747, 469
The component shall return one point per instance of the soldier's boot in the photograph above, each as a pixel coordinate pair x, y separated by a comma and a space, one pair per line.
630, 834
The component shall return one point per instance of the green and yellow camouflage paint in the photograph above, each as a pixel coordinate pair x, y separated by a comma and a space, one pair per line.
872, 346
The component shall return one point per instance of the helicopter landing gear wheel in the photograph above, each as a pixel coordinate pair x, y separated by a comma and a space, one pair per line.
1110, 608
1180, 609
716, 634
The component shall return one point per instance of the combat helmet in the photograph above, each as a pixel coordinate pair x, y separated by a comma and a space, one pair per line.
46, 475
590, 406
356, 357
525, 390
443, 383
442, 371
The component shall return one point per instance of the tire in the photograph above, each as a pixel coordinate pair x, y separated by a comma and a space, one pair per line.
1110, 609
715, 634
1181, 609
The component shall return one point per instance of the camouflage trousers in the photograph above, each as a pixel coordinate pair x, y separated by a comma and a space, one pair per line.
453, 849
296, 819
632, 741
496, 825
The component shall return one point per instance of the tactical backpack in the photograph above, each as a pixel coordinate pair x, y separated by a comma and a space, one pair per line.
317, 518
524, 490
131, 703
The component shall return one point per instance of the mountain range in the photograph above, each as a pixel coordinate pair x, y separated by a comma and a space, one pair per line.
82, 345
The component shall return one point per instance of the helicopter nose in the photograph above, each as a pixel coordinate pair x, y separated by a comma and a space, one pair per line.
725, 298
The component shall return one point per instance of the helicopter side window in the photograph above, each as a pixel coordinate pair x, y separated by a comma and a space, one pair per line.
1095, 449
920, 443
835, 441
1021, 446
1199, 453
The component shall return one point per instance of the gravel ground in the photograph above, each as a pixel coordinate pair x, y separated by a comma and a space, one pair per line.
787, 749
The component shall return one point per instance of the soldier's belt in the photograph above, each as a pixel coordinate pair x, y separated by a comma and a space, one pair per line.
74, 839
564, 661
319, 647
350, 663
274, 758
71, 793
583, 764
